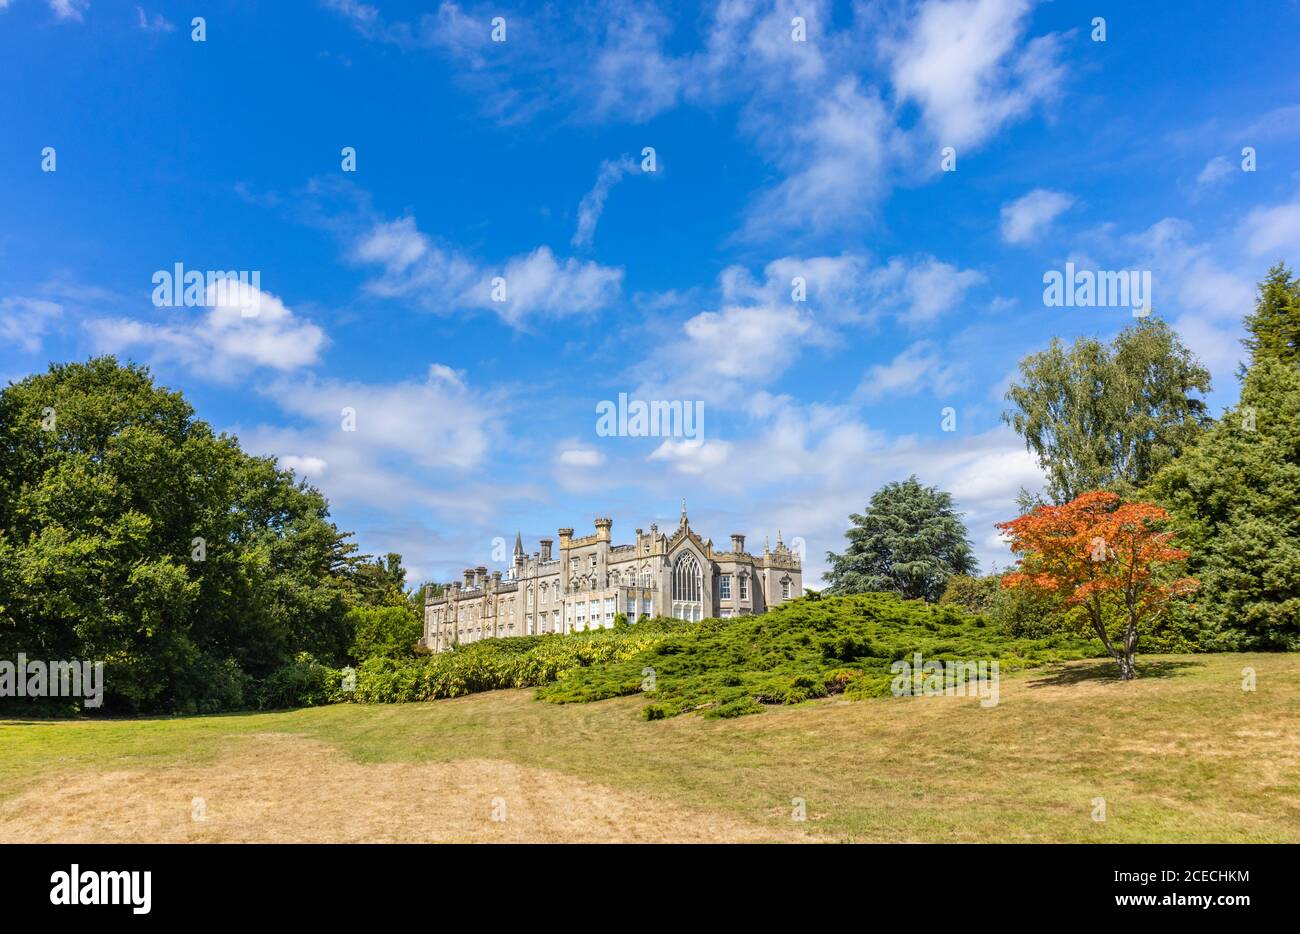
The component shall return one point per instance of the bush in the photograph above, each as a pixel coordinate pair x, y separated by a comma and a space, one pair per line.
304, 682
971, 593
804, 650
210, 685
384, 631
514, 662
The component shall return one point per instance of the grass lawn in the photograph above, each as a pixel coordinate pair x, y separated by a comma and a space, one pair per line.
1182, 754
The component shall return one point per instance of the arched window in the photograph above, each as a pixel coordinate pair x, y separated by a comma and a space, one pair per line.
688, 582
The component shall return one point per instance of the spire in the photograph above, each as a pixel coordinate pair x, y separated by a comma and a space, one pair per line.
519, 545
683, 511
779, 544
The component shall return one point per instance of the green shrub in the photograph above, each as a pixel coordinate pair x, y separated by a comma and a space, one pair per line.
514, 662
304, 682
384, 631
971, 593
804, 650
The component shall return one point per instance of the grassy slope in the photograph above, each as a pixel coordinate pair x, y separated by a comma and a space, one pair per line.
1181, 754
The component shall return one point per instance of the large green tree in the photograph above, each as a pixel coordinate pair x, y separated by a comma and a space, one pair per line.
1273, 328
133, 534
381, 582
1236, 493
1108, 417
909, 541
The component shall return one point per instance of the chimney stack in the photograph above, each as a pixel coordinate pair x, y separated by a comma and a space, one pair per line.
737, 542
469, 578
546, 548
480, 576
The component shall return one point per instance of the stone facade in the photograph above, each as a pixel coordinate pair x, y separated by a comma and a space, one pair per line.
590, 580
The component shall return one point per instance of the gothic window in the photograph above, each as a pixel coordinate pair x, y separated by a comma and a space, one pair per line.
688, 582
785, 588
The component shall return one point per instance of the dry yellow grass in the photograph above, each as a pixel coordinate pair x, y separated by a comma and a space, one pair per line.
278, 788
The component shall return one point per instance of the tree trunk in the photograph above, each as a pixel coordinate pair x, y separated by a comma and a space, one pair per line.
1129, 667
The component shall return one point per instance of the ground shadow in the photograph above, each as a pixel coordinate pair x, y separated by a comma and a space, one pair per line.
1106, 670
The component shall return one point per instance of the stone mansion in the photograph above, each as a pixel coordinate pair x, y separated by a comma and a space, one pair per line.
591, 580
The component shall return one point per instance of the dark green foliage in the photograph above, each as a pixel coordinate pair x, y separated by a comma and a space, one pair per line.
1235, 500
971, 593
1108, 418
106, 484
380, 582
384, 631
1274, 325
910, 541
304, 682
801, 651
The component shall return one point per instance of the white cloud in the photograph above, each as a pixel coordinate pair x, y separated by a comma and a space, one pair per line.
850, 289
919, 367
1273, 231
437, 422
720, 353
960, 63
933, 288
220, 340
69, 9
692, 457
537, 284
24, 321
1199, 286
838, 159
1215, 171
418, 446
158, 23
581, 457
310, 467
1028, 217
611, 172
631, 77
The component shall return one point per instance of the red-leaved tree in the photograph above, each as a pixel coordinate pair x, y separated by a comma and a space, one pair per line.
1106, 556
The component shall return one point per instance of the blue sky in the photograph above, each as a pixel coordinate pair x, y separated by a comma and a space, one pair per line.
522, 159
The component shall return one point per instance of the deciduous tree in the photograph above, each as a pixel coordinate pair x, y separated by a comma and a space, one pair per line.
1109, 417
1102, 554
